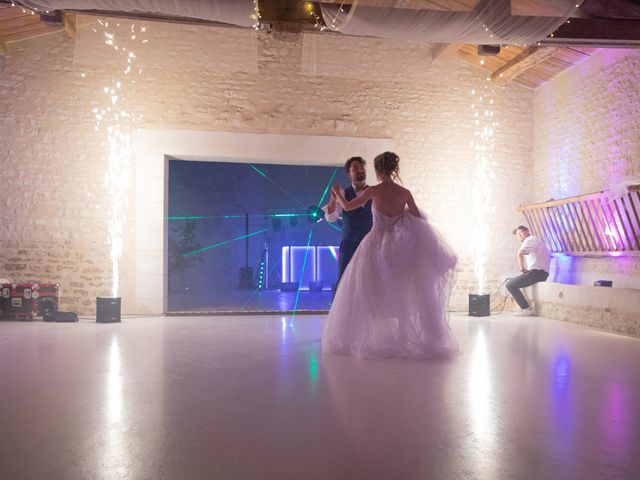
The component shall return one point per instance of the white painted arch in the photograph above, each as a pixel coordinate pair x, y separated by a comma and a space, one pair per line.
152, 148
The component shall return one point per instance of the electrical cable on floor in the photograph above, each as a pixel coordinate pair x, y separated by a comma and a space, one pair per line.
499, 308
502, 302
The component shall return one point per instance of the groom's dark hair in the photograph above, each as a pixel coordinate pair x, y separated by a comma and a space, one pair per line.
347, 164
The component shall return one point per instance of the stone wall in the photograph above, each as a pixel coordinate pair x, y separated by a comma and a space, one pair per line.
53, 199
587, 139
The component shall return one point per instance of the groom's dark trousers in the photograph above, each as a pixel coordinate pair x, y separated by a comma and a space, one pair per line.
355, 226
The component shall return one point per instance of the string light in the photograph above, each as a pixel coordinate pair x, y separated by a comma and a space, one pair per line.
318, 21
256, 15
27, 9
333, 22
568, 20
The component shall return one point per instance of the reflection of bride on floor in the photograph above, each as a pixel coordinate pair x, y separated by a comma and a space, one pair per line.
391, 414
392, 297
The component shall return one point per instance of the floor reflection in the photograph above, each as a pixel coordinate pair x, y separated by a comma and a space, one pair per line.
480, 399
114, 461
617, 419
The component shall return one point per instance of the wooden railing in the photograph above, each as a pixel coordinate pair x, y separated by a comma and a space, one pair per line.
592, 224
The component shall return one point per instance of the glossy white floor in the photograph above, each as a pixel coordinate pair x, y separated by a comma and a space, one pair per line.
253, 398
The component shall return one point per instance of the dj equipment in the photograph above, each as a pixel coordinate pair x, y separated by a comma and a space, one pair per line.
245, 279
28, 300
65, 317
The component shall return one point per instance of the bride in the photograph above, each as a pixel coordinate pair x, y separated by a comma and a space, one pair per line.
391, 300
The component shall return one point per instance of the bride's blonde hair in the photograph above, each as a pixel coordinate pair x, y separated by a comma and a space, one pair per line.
388, 163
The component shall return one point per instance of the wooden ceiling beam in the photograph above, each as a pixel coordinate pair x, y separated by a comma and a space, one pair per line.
611, 9
528, 58
535, 8
36, 31
596, 32
440, 5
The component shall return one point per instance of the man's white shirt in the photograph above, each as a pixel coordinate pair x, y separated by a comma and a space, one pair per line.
337, 212
536, 254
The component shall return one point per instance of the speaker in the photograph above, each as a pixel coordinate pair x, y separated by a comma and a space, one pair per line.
52, 19
488, 50
108, 309
479, 305
245, 281
289, 287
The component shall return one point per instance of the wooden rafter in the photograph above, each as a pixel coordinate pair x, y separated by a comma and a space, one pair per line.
628, 9
597, 32
535, 8
441, 5
528, 58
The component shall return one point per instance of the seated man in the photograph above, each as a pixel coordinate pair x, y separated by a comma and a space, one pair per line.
533, 258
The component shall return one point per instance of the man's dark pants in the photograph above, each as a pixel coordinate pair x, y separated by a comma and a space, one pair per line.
347, 249
525, 280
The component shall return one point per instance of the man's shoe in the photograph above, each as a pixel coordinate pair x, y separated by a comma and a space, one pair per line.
525, 312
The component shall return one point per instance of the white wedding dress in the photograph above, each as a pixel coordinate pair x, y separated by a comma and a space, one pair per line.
391, 300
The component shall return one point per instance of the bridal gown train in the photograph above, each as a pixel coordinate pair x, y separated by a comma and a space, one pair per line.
391, 300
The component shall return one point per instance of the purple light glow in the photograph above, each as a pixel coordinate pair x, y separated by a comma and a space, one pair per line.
562, 405
317, 257
616, 418
565, 271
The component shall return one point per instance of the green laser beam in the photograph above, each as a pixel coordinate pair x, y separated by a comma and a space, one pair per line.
275, 183
324, 194
225, 242
258, 170
275, 215
200, 217
304, 264
334, 226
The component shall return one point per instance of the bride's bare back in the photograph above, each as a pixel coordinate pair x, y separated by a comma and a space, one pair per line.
390, 199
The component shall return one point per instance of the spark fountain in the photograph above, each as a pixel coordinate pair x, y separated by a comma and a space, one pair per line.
483, 144
112, 117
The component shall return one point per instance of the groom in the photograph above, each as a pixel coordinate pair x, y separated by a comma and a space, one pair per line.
355, 223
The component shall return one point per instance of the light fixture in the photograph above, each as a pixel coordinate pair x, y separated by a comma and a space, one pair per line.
488, 50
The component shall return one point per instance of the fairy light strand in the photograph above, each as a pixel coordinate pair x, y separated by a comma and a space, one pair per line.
255, 16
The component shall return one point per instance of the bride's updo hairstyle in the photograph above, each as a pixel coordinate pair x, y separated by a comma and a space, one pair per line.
387, 163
